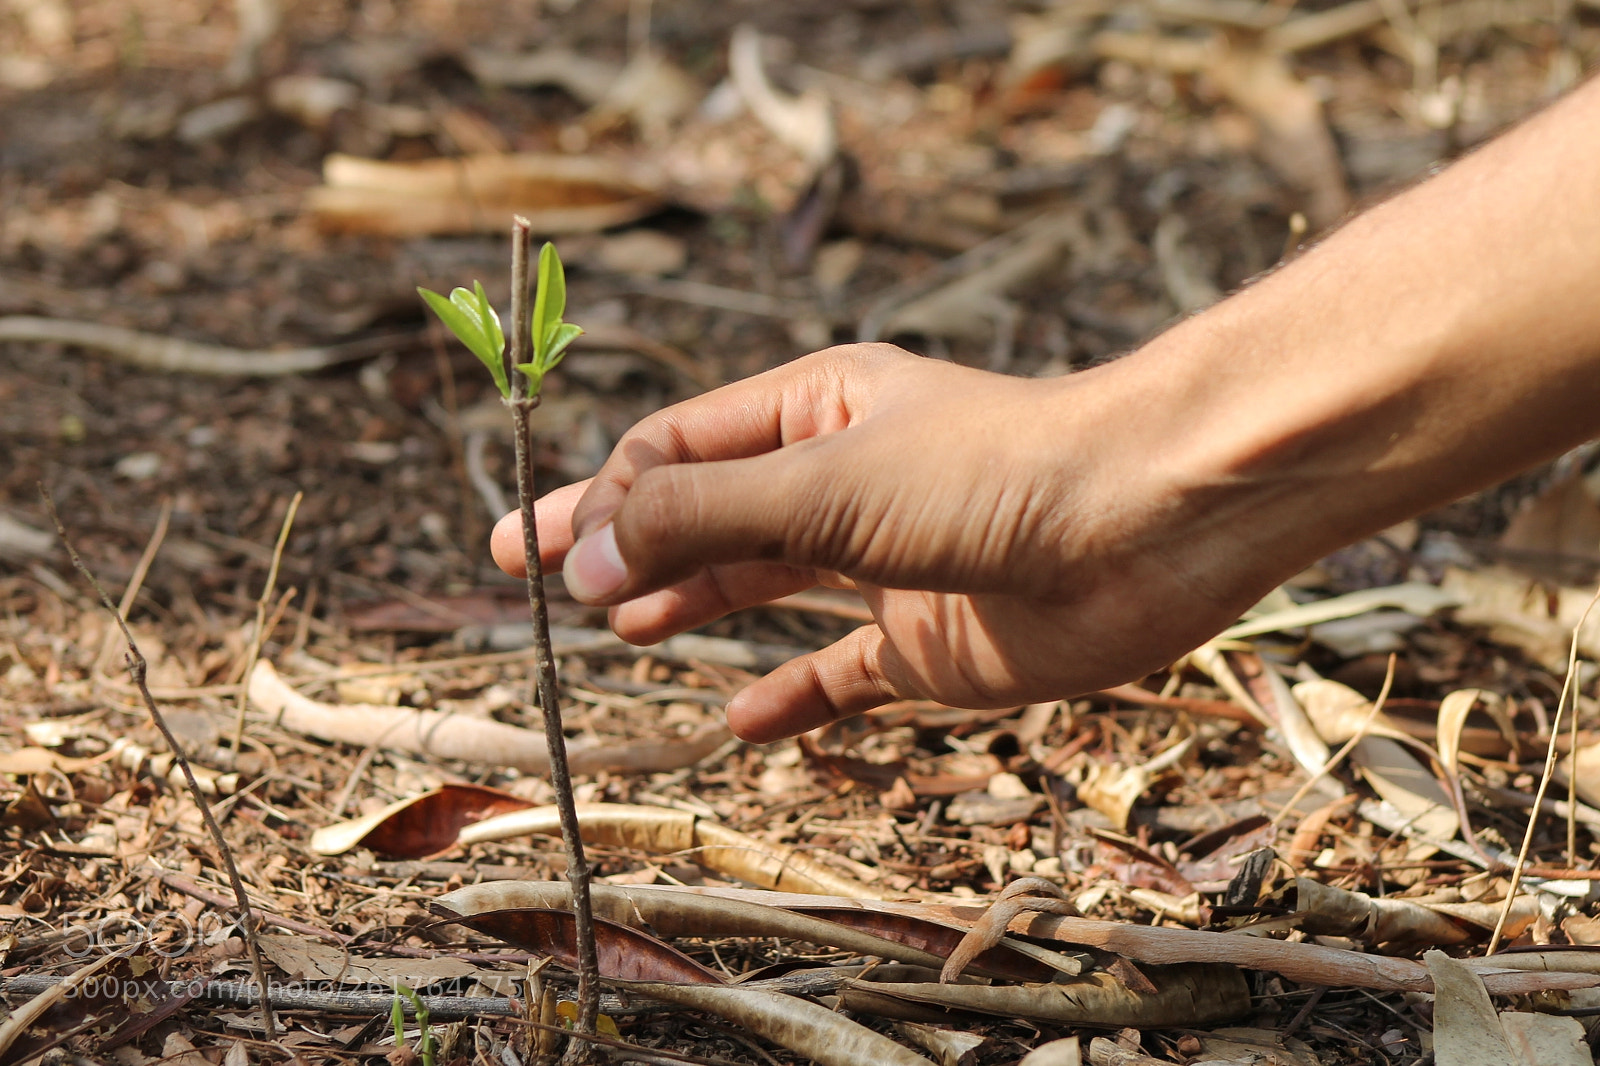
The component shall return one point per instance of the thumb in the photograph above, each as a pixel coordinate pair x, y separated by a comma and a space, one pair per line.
785, 507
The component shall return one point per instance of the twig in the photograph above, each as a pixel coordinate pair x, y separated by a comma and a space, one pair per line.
139, 668
152, 351
1569, 694
259, 636
136, 582
546, 687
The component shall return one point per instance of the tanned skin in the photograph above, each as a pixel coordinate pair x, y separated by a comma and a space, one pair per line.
1020, 540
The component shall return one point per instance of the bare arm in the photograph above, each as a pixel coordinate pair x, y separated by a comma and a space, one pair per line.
1021, 540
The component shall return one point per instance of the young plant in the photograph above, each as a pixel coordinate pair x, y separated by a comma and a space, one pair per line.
427, 1048
538, 341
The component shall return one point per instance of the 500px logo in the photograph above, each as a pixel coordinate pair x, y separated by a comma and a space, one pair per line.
167, 933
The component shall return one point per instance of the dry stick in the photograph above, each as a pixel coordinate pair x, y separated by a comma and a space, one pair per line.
1572, 774
260, 636
136, 582
1568, 694
138, 668
1349, 746
549, 695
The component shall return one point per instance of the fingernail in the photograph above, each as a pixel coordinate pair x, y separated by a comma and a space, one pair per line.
594, 568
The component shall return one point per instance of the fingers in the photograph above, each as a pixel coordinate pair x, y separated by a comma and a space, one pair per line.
805, 398
554, 513
705, 597
798, 506
858, 673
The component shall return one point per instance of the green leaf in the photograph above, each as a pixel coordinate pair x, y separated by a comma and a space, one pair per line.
470, 316
550, 303
535, 375
491, 320
565, 334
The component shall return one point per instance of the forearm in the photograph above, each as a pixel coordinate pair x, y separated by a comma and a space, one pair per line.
1436, 344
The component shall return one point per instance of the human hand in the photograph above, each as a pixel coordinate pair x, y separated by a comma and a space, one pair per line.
1013, 543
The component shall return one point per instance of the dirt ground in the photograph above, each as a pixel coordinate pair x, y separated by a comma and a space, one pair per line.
1030, 187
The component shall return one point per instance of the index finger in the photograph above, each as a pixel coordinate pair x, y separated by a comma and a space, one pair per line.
816, 394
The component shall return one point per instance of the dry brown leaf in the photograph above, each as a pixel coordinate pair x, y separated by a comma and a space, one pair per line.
670, 914
478, 194
417, 826
1113, 790
1064, 1052
1525, 613
1453, 711
304, 959
624, 953
1545, 1040
827, 1038
1466, 1029
1329, 911
1406, 785
1303, 962
1338, 712
659, 831
1563, 520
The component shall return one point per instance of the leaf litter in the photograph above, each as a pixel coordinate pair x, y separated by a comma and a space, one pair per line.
1068, 180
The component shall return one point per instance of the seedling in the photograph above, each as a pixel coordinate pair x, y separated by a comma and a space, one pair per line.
538, 341
427, 1048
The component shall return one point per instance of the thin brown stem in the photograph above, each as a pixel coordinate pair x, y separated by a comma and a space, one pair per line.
546, 687
138, 668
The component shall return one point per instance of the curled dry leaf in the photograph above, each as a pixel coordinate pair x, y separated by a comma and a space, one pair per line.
1193, 994
1330, 911
667, 913
624, 953
481, 741
478, 194
1113, 790
418, 826
803, 1027
658, 831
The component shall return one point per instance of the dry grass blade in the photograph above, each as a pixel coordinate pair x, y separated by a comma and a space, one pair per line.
1568, 697
258, 635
